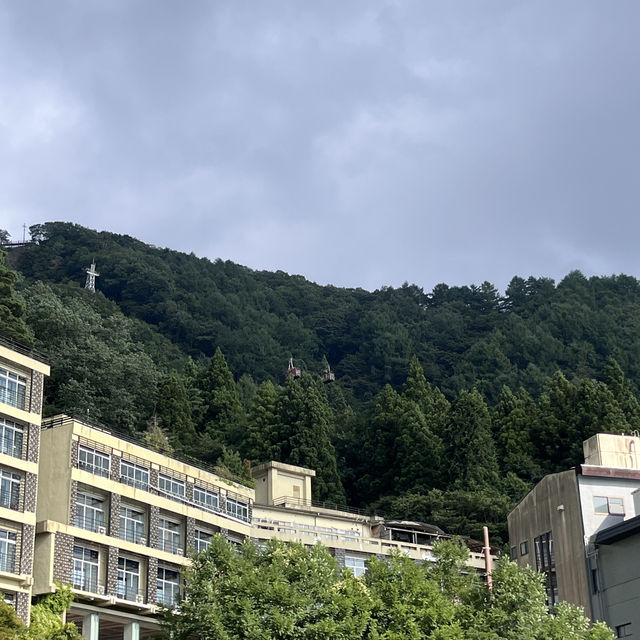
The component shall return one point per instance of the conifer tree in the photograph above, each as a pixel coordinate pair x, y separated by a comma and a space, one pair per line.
224, 417
173, 411
471, 455
621, 390
259, 439
303, 426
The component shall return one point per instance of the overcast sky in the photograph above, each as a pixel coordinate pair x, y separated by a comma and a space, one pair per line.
355, 143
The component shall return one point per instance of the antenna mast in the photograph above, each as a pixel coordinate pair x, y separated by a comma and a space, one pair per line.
92, 274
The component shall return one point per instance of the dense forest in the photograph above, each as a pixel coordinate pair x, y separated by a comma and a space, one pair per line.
446, 406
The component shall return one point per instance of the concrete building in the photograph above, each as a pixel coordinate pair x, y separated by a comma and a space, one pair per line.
564, 522
21, 382
117, 520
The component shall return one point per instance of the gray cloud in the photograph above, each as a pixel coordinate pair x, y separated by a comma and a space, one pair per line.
359, 144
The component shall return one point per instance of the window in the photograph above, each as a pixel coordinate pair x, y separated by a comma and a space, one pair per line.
11, 438
134, 475
90, 512
169, 535
9, 598
202, 540
13, 389
238, 509
206, 499
514, 553
85, 569
168, 587
170, 486
546, 563
132, 524
624, 630
128, 586
524, 548
608, 506
93, 461
9, 489
8, 551
356, 565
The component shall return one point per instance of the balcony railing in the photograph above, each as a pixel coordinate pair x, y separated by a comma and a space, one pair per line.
89, 585
170, 546
132, 536
129, 593
9, 500
8, 562
134, 483
12, 445
91, 524
93, 468
17, 399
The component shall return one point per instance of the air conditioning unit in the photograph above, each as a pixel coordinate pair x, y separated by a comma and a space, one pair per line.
179, 552
102, 531
139, 598
100, 590
142, 541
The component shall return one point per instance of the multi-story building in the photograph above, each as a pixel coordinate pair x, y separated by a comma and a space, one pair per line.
117, 520
563, 524
22, 375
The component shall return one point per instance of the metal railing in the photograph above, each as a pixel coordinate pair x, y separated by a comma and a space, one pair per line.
306, 503
90, 524
170, 547
134, 483
12, 446
129, 593
9, 500
8, 562
86, 584
132, 536
93, 468
25, 350
17, 399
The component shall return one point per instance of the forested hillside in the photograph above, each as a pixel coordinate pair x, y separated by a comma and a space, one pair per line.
447, 405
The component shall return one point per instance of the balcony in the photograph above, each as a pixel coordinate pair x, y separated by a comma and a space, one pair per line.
14, 397
96, 525
131, 594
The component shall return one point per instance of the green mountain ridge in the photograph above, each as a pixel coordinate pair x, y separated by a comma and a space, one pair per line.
446, 407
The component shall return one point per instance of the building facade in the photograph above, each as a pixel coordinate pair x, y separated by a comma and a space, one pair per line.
22, 376
555, 529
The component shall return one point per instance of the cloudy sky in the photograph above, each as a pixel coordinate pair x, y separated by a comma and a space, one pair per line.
358, 143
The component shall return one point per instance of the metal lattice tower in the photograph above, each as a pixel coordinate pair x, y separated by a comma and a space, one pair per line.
92, 274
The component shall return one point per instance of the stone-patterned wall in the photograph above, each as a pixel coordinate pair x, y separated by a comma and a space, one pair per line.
112, 570
33, 443
188, 494
26, 548
339, 555
35, 399
73, 500
154, 474
115, 468
23, 606
114, 515
154, 515
152, 580
74, 454
191, 533
63, 557
30, 492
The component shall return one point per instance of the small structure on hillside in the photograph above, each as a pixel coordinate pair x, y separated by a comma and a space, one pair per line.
92, 274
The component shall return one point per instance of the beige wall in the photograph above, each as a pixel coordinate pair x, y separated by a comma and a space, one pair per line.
54, 478
553, 505
608, 450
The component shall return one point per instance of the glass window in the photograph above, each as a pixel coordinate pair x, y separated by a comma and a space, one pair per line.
624, 630
13, 389
9, 489
168, 587
132, 523
134, 475
608, 506
171, 487
11, 438
169, 535
524, 548
128, 585
90, 512
202, 540
93, 461
85, 569
238, 509
356, 565
206, 499
514, 553
7, 551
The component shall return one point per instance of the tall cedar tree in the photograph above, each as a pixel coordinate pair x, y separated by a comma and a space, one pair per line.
173, 411
224, 417
12, 324
259, 438
303, 435
471, 454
